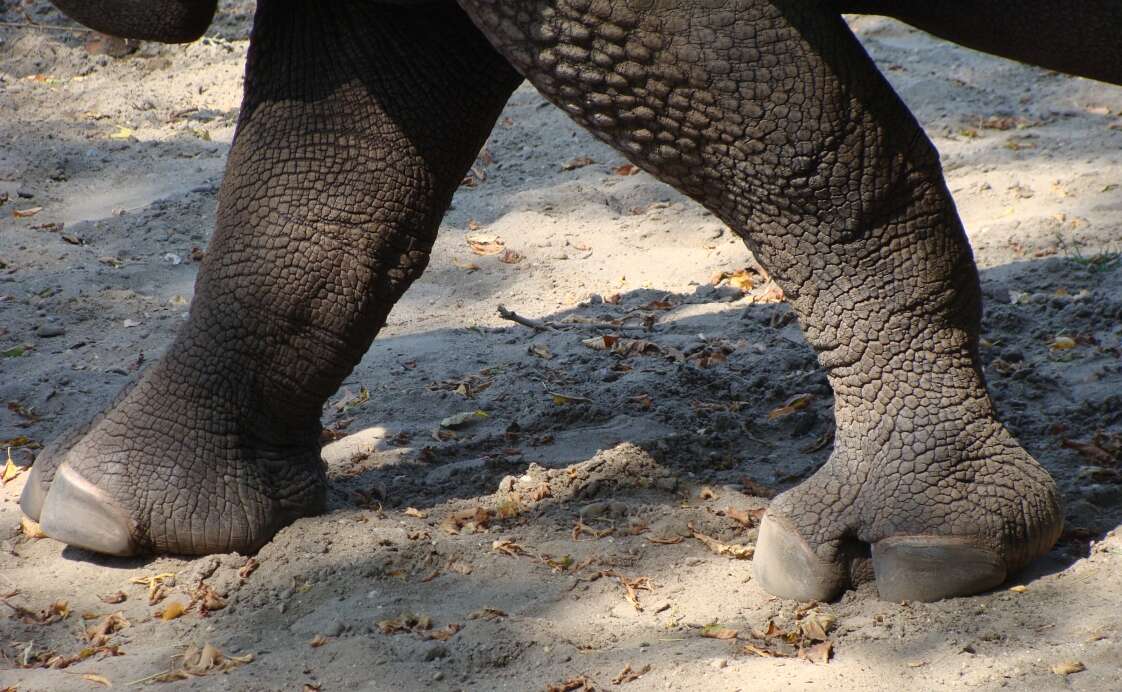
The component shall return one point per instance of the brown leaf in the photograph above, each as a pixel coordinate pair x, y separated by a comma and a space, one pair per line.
795, 403
739, 516
629, 675
665, 540
1068, 667
818, 653
444, 633
30, 528
738, 552
706, 493
26, 213
114, 598
507, 547
100, 634
579, 682
414, 512
317, 641
467, 521
172, 610
485, 244
248, 568
487, 614
626, 169
578, 162
510, 257
99, 679
715, 631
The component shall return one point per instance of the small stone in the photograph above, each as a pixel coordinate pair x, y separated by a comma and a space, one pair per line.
335, 629
48, 331
438, 676
436, 652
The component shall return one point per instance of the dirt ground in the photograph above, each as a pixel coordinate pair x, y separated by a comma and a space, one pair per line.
553, 537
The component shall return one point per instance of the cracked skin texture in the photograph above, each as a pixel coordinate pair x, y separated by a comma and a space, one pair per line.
358, 123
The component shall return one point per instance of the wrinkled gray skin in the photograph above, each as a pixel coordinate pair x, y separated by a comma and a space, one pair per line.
359, 121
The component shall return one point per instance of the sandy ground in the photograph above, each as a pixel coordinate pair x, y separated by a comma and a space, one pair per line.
500, 555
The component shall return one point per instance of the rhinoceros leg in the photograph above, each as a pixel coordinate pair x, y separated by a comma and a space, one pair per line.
770, 114
359, 122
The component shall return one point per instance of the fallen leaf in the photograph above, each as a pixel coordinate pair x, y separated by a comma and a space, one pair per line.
665, 540
11, 471
739, 516
485, 244
154, 582
795, 403
738, 552
510, 257
706, 493
250, 566
467, 521
541, 351
626, 169
172, 610
317, 641
487, 614
461, 420
818, 653
30, 528
507, 547
571, 684
99, 679
629, 675
443, 634
121, 133
113, 598
578, 162
414, 512
100, 634
715, 631
1019, 588
1068, 667
466, 266
26, 213
816, 626
1063, 343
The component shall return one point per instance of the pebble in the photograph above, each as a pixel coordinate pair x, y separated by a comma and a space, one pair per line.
435, 652
335, 629
47, 331
438, 676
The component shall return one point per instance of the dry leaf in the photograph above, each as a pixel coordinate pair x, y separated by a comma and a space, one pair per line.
1019, 588
248, 568
738, 552
487, 614
578, 162
795, 403
739, 516
510, 257
706, 493
99, 679
317, 641
816, 626
572, 684
485, 244
104, 630
414, 512
629, 675
1068, 667
30, 528
113, 598
818, 653
1063, 343
715, 631
467, 521
466, 266
541, 351
26, 213
626, 169
172, 610
11, 471
665, 540
121, 133
507, 547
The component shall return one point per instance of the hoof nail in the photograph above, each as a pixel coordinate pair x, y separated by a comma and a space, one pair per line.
929, 568
785, 565
33, 495
77, 513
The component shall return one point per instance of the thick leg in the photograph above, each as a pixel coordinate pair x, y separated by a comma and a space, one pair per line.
1079, 38
169, 21
770, 114
358, 124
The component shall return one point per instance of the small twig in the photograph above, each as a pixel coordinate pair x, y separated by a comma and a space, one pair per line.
47, 27
536, 325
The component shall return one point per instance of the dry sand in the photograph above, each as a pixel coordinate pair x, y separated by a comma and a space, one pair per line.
127, 153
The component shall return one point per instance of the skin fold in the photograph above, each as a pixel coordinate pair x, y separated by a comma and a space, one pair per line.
360, 120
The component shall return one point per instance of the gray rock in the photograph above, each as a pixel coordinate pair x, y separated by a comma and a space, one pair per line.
48, 331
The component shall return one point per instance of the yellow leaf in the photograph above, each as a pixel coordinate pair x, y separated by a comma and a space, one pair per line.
10, 470
30, 528
99, 679
121, 133
414, 512
1019, 588
172, 610
1063, 343
1068, 667
795, 403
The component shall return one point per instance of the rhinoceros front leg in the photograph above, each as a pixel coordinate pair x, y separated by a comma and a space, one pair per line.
359, 122
771, 115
